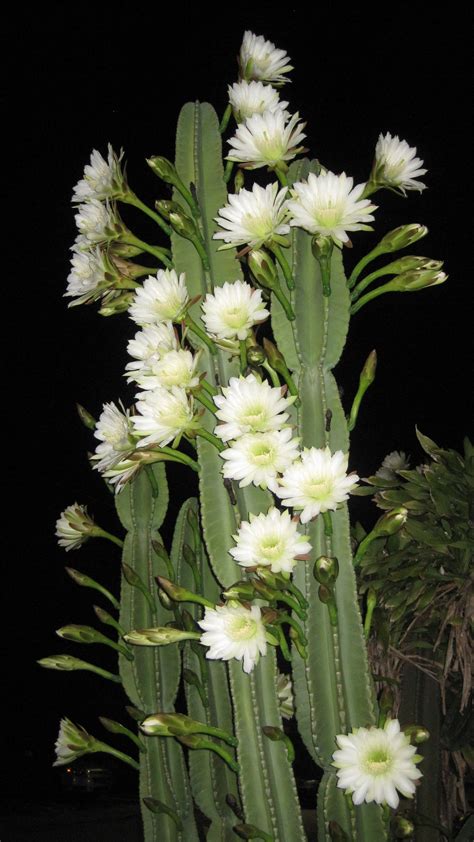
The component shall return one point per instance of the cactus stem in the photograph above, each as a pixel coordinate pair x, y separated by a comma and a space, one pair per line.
211, 438
228, 171
130, 198
131, 240
202, 398
191, 325
285, 267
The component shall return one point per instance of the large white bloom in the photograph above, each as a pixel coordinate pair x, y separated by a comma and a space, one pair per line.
232, 310
250, 405
73, 741
94, 221
266, 140
174, 368
114, 431
101, 178
86, 275
248, 98
259, 457
396, 165
161, 299
317, 482
270, 540
73, 527
232, 631
328, 204
373, 763
149, 344
165, 414
253, 216
260, 59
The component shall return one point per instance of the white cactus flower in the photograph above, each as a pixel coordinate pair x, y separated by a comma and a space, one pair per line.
73, 741
233, 631
267, 140
317, 482
86, 276
94, 221
161, 299
115, 433
249, 98
260, 59
253, 217
393, 462
250, 405
73, 527
396, 166
232, 310
102, 179
174, 368
165, 414
373, 763
258, 458
148, 345
329, 205
269, 540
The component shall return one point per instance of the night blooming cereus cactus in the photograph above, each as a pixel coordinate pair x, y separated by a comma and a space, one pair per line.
240, 318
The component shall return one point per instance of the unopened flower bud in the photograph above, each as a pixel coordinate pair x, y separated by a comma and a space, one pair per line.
417, 734
401, 237
239, 180
163, 168
418, 279
255, 355
322, 247
183, 225
179, 594
326, 571
160, 636
274, 356
239, 590
404, 828
166, 206
87, 419
263, 269
80, 634
165, 601
390, 523
119, 304
234, 805
409, 263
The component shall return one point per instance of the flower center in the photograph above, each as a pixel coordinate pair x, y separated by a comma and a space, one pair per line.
378, 761
271, 547
262, 453
260, 225
235, 317
328, 217
242, 628
318, 489
255, 417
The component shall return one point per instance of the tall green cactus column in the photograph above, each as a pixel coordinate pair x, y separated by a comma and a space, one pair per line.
151, 680
333, 687
266, 782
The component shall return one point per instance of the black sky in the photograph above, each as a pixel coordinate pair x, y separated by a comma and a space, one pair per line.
122, 79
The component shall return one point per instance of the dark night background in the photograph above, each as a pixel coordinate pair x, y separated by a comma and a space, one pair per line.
121, 78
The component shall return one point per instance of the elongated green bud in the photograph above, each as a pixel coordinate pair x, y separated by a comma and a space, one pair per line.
194, 741
183, 225
404, 828
166, 206
123, 250
234, 805
371, 603
120, 304
277, 361
160, 636
86, 582
165, 601
417, 734
66, 663
278, 735
410, 263
88, 634
179, 594
326, 595
299, 645
400, 238
417, 279
163, 168
326, 571
158, 807
179, 725
390, 523
256, 355
263, 269
116, 728
87, 419
240, 590
107, 619
190, 677
136, 714
367, 377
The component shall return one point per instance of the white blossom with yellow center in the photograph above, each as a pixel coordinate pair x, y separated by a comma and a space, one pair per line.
233, 631
258, 458
329, 205
174, 368
114, 431
260, 59
248, 98
373, 763
232, 310
101, 177
396, 165
94, 221
165, 414
269, 540
253, 217
86, 275
316, 483
250, 405
267, 140
161, 299
73, 527
148, 345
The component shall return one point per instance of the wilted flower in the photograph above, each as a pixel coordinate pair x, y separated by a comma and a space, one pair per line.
269, 540
248, 98
161, 299
267, 140
250, 405
396, 166
232, 309
260, 59
165, 414
258, 458
373, 763
253, 217
73, 527
102, 179
329, 205
317, 482
232, 631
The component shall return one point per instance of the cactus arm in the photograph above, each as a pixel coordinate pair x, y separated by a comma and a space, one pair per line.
151, 679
